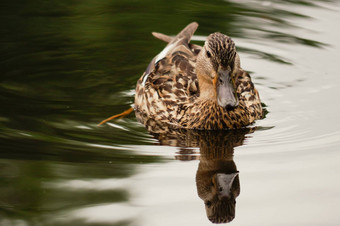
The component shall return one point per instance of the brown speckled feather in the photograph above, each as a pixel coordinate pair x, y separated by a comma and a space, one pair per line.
168, 91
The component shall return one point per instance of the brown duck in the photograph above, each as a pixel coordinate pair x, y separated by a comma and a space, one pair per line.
196, 87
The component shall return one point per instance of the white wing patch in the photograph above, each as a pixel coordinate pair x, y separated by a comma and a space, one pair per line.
145, 78
164, 52
160, 56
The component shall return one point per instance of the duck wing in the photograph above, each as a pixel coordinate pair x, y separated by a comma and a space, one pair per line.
169, 83
171, 72
181, 39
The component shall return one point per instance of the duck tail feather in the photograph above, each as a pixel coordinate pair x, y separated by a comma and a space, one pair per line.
186, 33
163, 37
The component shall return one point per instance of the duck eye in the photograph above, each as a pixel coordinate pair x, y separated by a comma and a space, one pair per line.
208, 54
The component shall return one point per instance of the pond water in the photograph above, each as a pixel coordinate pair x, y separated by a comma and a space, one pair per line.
67, 65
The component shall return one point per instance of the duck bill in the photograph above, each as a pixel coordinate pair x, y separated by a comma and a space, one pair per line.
225, 90
224, 184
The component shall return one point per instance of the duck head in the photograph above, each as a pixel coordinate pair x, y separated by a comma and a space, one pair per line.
216, 67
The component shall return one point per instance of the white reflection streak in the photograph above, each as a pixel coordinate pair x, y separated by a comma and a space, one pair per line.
106, 184
108, 146
82, 127
128, 93
110, 213
199, 38
117, 126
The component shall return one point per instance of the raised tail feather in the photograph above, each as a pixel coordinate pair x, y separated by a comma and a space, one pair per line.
163, 37
185, 34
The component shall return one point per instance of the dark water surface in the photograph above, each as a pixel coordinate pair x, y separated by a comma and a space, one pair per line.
67, 65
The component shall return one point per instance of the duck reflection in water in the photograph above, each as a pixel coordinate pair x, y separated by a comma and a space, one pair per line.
217, 177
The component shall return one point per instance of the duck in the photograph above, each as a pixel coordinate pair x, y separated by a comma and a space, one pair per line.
197, 87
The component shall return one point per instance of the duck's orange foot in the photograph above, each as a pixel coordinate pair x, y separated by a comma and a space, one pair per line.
121, 115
